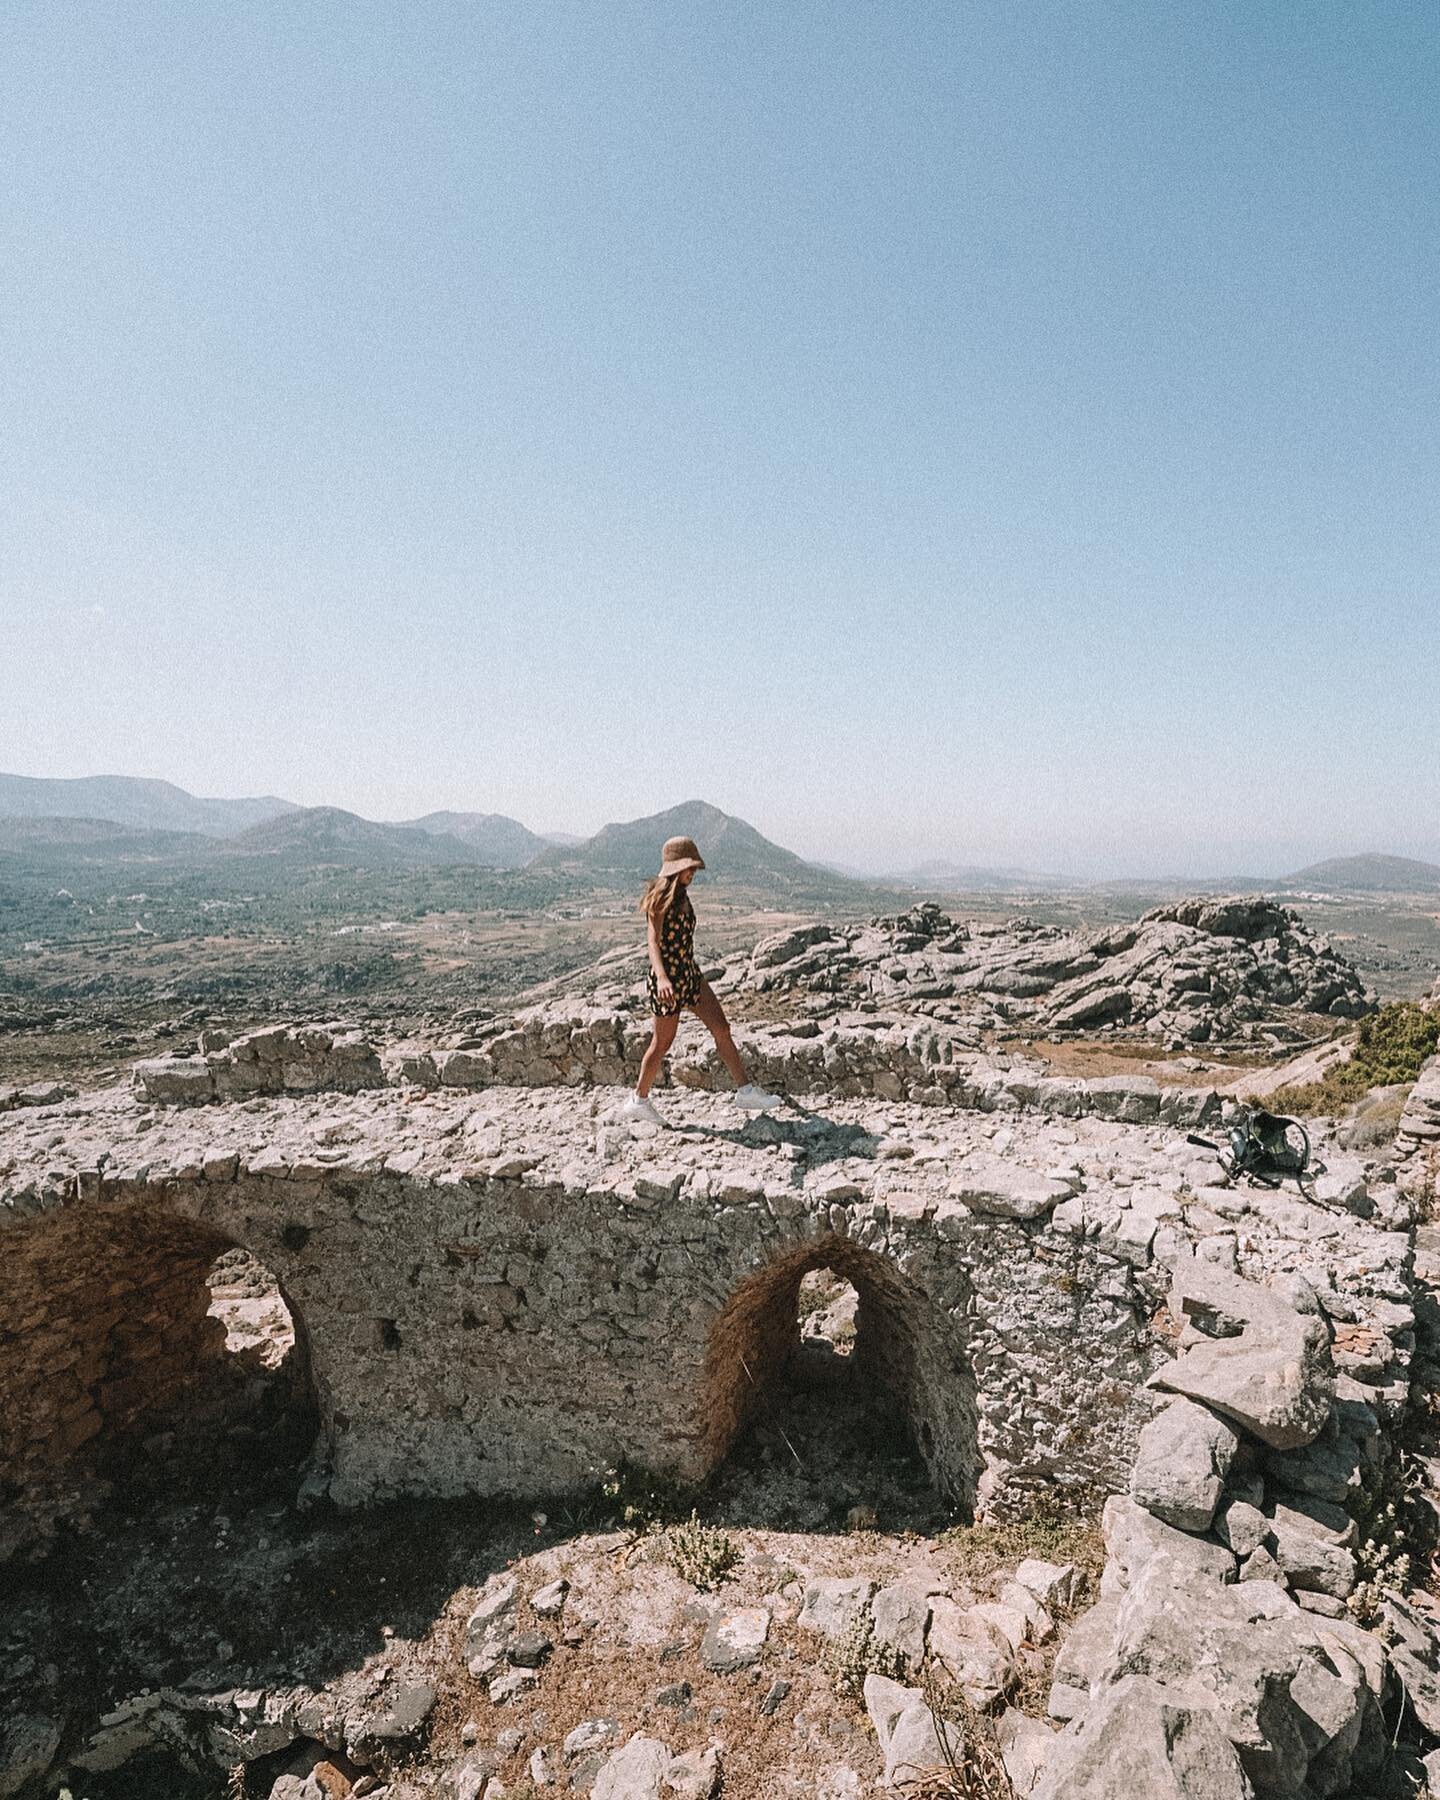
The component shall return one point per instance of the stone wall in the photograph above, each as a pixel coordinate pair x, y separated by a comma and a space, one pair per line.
503, 1293
282, 1059
105, 1328
522, 1331
1417, 1145
884, 1056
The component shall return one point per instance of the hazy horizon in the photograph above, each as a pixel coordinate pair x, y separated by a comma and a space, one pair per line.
906, 857
1007, 435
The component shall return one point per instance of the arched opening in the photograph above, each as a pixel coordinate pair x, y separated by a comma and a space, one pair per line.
147, 1356
844, 1388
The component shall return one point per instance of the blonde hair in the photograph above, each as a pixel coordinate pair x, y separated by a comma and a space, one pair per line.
661, 892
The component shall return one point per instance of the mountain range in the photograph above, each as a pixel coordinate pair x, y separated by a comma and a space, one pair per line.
123, 818
45, 820
129, 800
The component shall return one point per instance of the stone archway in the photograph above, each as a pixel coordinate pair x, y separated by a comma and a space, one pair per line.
909, 1350
117, 1368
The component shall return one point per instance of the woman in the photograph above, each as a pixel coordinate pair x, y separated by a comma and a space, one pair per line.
675, 981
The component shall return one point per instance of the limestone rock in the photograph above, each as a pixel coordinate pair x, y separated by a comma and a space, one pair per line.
991, 1185
635, 1772
1312, 1563
831, 1606
1080, 1659
695, 1775
1275, 1378
1241, 1526
1141, 1738
735, 1638
901, 1613
1184, 1455
1053, 1584
972, 1651
1415, 1653
905, 1727
1293, 1693
1133, 1539
1026, 1745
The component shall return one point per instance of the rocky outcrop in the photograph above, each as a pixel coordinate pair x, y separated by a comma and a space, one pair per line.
1221, 1660
1197, 971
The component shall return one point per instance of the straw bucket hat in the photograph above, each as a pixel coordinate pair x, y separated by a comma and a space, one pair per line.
678, 854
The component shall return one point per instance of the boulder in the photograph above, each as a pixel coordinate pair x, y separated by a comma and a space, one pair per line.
735, 1638
1053, 1584
1309, 1561
1025, 1745
1275, 1377
988, 1184
695, 1775
1081, 1657
900, 1613
831, 1606
1183, 1457
1292, 1692
1414, 1646
1142, 1741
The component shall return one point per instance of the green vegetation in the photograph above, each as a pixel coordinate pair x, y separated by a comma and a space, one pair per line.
642, 1500
858, 1652
1397, 1533
1047, 1534
1390, 1048
701, 1554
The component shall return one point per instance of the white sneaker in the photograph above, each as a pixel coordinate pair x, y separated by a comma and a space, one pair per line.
639, 1108
755, 1099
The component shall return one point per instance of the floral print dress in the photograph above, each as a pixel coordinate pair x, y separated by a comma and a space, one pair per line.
677, 953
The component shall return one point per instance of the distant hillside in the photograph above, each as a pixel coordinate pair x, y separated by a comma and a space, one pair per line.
95, 840
1368, 874
127, 800
733, 851
326, 834
969, 878
494, 840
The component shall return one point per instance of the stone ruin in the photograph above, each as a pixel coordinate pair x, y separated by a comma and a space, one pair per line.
1054, 1290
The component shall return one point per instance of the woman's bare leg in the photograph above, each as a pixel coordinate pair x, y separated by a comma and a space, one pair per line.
709, 1010
661, 1038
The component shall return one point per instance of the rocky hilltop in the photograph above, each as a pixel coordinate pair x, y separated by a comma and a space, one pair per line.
1198, 971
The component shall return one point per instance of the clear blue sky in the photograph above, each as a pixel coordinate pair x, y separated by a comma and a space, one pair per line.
1004, 432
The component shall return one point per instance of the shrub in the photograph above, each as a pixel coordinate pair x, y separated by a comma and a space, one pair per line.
1390, 1048
1397, 1547
639, 1499
699, 1554
1046, 1533
858, 1652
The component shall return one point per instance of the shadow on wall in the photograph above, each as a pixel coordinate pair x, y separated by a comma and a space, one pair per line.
909, 1353
146, 1355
